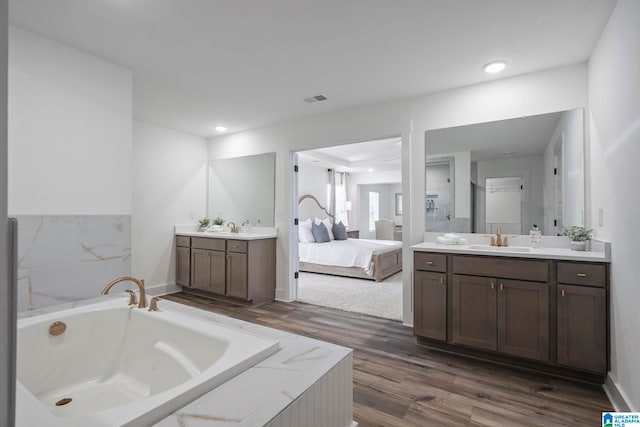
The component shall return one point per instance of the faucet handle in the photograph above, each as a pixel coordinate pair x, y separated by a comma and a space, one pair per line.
153, 305
492, 242
132, 297
505, 241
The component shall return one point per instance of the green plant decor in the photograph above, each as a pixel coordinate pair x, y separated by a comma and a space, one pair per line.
577, 233
204, 222
218, 221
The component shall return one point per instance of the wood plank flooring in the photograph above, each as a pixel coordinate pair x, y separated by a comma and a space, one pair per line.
397, 382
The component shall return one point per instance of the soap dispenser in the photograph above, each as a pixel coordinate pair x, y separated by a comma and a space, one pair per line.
536, 236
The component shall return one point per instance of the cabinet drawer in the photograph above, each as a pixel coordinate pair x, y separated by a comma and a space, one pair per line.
183, 241
237, 246
427, 261
208, 243
579, 273
519, 269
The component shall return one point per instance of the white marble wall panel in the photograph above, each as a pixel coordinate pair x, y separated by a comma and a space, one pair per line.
70, 258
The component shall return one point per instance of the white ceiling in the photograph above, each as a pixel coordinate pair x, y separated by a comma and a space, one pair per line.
379, 155
246, 64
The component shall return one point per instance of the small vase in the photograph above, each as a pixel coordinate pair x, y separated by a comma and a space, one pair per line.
578, 246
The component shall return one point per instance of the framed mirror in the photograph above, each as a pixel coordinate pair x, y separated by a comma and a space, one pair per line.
242, 189
509, 173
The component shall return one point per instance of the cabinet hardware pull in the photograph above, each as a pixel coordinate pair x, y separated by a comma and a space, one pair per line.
441, 280
429, 262
501, 286
492, 285
562, 293
581, 274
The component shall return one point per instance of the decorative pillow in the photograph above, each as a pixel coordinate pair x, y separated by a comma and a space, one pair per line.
320, 233
328, 226
340, 231
304, 231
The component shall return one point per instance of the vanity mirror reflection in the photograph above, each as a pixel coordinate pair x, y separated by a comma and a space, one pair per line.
509, 173
243, 189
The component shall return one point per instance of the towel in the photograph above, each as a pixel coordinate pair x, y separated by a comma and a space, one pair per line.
451, 239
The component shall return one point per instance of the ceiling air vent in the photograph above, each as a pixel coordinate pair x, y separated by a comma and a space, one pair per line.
314, 98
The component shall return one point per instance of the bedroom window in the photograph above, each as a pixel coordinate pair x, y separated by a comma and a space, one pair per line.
374, 209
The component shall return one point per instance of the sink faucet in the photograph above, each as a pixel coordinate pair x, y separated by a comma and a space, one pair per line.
140, 283
233, 227
498, 240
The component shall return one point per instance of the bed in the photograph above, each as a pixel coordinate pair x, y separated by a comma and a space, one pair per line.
360, 258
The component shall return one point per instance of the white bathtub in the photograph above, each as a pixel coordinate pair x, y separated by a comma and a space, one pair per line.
122, 365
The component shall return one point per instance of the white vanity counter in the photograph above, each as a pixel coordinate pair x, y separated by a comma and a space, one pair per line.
516, 252
553, 247
256, 233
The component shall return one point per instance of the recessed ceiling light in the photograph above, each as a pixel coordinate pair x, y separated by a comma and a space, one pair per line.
220, 128
494, 66
370, 169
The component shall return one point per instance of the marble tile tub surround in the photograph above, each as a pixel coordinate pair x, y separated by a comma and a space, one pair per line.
65, 258
552, 247
274, 389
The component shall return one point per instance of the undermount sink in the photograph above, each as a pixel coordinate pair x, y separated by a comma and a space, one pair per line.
500, 248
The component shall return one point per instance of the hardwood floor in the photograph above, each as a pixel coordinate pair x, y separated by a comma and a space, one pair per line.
397, 382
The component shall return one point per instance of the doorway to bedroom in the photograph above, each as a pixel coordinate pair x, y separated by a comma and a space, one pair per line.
350, 227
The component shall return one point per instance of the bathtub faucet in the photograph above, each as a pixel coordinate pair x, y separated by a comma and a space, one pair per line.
140, 283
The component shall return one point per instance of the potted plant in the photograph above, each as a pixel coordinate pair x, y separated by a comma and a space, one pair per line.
578, 235
204, 223
218, 223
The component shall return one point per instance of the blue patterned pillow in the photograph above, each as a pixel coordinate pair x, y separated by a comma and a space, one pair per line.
320, 233
339, 231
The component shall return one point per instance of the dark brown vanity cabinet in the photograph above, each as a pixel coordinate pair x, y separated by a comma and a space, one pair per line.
501, 304
582, 316
430, 294
539, 313
239, 269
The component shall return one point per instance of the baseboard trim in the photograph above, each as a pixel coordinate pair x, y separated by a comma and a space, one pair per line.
616, 396
167, 288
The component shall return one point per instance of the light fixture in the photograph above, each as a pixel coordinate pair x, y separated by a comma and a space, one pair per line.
220, 128
370, 169
494, 66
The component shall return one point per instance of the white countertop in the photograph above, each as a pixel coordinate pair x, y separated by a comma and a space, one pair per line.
543, 253
256, 233
260, 393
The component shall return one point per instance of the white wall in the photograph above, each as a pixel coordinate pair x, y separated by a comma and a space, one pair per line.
614, 102
169, 187
553, 90
69, 130
313, 179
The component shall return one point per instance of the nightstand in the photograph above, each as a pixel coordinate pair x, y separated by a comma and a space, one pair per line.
353, 234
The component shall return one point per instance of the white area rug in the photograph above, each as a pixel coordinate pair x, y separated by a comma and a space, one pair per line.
380, 299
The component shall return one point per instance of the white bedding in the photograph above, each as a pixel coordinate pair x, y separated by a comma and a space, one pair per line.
346, 253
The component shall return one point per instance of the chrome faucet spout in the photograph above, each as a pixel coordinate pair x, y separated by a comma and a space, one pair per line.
140, 283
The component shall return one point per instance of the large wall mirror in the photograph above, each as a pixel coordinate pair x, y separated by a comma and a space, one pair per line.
510, 174
243, 188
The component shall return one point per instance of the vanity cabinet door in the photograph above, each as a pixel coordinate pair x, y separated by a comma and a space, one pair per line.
237, 275
183, 266
582, 327
200, 269
217, 281
208, 270
473, 310
430, 313
523, 319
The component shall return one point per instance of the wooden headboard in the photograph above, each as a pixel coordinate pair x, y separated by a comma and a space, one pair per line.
310, 207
